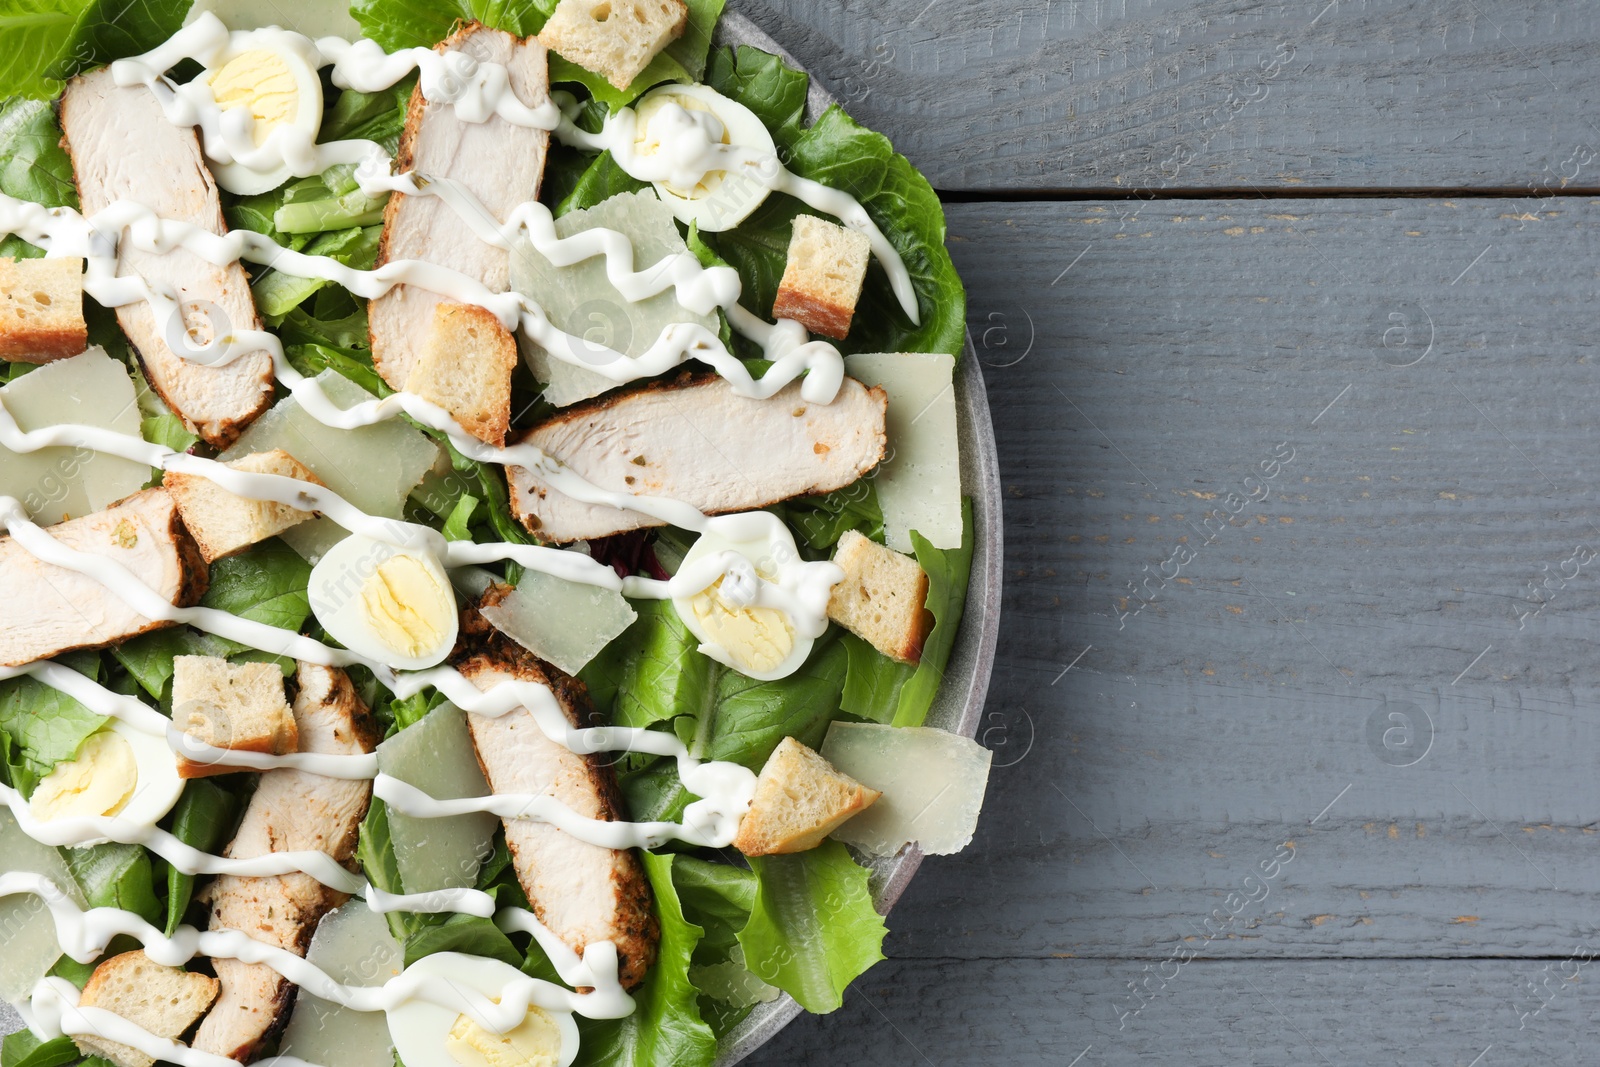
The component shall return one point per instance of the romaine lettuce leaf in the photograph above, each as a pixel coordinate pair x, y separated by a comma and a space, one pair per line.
22, 1049
116, 876
838, 152
813, 929
884, 690
45, 42
683, 60
651, 672
411, 23
33, 165
47, 725
665, 1029
205, 819
267, 584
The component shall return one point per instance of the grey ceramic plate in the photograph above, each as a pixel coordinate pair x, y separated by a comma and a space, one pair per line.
960, 700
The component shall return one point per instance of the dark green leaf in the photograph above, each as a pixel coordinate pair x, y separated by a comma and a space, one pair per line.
277, 293
683, 61
947, 570
46, 724
375, 853
813, 928
749, 718
471, 934
396, 24
602, 180
33, 165
718, 898
822, 520
873, 681
267, 584
651, 672
73, 971
665, 1029
115, 29
148, 657
204, 818
22, 1049
116, 876
313, 359
838, 152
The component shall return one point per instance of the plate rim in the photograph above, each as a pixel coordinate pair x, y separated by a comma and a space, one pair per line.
961, 708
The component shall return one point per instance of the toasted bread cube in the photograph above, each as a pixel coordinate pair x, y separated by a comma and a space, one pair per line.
823, 277
882, 599
41, 309
163, 1000
614, 38
235, 706
223, 524
800, 799
465, 368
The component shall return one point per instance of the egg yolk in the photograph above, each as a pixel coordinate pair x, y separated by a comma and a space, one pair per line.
755, 638
100, 780
261, 81
408, 610
534, 1042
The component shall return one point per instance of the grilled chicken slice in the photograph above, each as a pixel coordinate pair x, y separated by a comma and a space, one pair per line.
123, 148
694, 439
49, 610
498, 162
290, 811
584, 893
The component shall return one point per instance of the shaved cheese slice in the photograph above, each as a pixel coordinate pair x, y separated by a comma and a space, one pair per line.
59, 483
28, 946
561, 622
581, 300
919, 481
354, 946
314, 18
374, 467
437, 757
932, 783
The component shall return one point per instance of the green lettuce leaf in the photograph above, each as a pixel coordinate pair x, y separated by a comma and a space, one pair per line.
204, 818
883, 690
602, 180
148, 657
813, 929
651, 672
116, 876
33, 165
47, 725
665, 1029
267, 584
44, 42
412, 23
277, 293
822, 520
718, 898
682, 61
838, 152
22, 1049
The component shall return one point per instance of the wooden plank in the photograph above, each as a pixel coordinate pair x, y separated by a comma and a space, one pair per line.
1384, 574
1075, 1013
1175, 95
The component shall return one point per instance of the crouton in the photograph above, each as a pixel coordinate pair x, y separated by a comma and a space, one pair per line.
163, 1000
465, 368
822, 279
41, 309
236, 706
614, 38
800, 799
882, 599
223, 524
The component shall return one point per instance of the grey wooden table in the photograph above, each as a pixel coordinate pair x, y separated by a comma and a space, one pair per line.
1287, 315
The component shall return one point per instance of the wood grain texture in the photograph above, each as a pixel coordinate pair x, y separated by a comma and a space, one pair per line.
1067, 1013
1214, 94
1354, 663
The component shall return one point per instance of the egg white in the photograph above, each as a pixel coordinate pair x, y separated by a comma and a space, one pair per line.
335, 594
299, 55
419, 1028
772, 555
721, 201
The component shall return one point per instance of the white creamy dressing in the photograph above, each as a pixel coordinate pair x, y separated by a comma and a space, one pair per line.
85, 934
477, 91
